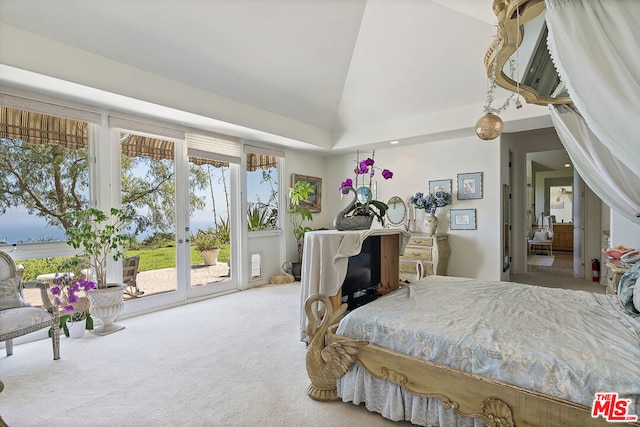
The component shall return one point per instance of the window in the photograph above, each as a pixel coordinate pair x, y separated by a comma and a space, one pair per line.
44, 174
263, 180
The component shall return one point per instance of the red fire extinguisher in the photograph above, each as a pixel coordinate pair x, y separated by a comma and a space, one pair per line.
595, 270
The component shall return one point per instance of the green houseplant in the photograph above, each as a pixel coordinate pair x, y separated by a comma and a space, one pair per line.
102, 235
299, 212
209, 243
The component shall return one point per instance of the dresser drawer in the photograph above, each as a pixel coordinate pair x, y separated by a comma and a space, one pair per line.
408, 266
421, 241
414, 269
423, 250
427, 269
409, 270
418, 252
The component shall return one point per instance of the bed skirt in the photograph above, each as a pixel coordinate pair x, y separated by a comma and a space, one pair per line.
396, 404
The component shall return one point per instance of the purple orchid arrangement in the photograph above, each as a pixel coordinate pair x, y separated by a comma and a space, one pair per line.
366, 169
430, 202
69, 294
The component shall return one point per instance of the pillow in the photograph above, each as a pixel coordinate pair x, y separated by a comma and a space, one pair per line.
540, 235
9, 295
626, 289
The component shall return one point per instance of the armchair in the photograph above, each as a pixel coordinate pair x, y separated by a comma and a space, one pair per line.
17, 317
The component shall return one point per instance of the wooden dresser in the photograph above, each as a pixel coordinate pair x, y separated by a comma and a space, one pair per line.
562, 237
424, 255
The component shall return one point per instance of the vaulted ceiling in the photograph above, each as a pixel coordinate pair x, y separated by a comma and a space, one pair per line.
353, 71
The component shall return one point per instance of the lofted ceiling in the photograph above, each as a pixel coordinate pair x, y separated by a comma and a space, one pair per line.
328, 74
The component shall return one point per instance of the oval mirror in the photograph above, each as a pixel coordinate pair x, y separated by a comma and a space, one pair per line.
522, 59
397, 211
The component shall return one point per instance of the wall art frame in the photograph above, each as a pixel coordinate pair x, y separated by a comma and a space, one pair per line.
470, 186
463, 219
314, 203
440, 185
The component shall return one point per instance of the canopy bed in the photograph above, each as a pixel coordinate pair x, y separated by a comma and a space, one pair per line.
459, 351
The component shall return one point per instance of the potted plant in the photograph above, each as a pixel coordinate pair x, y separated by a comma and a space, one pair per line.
68, 293
359, 214
102, 235
208, 242
299, 211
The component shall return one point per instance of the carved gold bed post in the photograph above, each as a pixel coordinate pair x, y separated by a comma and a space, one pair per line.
512, 18
325, 363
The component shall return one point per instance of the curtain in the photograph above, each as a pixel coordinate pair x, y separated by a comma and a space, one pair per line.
594, 45
608, 176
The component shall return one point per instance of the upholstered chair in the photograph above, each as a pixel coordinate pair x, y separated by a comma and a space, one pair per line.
17, 317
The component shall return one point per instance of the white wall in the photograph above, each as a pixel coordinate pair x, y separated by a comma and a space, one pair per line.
474, 253
311, 164
624, 232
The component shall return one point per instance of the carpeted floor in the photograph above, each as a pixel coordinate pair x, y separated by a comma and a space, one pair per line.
234, 360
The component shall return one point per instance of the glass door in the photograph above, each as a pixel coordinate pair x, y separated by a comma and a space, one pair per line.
210, 225
148, 173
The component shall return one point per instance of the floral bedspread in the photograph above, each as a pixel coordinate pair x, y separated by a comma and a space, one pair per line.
565, 343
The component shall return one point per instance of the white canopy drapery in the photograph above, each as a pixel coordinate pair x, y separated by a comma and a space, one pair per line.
594, 45
605, 174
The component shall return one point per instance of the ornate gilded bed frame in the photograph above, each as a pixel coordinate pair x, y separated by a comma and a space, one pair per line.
496, 403
512, 17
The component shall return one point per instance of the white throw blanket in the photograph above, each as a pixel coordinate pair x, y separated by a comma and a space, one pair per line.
325, 259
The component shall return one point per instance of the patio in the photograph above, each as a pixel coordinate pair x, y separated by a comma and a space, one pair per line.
162, 280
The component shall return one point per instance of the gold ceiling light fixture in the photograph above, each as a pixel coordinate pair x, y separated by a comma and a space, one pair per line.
490, 125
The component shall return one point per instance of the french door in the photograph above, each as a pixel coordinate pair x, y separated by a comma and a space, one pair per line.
184, 193
211, 232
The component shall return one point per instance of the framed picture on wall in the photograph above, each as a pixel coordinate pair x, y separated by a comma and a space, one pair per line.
440, 185
462, 219
470, 185
315, 198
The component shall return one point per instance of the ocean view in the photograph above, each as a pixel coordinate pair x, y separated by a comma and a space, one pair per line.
23, 228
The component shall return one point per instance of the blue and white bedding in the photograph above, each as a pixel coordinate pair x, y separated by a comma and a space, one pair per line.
564, 343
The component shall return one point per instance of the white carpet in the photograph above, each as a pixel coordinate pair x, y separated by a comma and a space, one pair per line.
234, 360
540, 260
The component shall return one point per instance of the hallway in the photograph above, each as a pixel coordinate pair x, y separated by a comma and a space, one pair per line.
558, 275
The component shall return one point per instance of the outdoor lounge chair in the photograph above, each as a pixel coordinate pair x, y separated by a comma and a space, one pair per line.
129, 276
